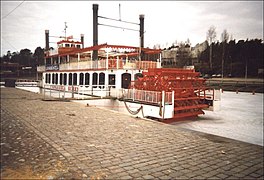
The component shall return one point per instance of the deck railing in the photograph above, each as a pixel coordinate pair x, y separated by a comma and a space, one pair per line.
27, 82
153, 97
101, 64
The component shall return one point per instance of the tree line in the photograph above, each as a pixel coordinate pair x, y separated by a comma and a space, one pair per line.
25, 57
237, 59
231, 58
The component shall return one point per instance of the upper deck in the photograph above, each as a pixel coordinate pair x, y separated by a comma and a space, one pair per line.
69, 56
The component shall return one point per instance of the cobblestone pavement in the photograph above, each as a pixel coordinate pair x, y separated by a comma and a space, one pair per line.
57, 139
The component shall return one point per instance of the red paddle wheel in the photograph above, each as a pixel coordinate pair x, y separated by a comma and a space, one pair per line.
189, 88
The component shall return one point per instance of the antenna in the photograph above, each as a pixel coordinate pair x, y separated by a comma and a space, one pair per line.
65, 27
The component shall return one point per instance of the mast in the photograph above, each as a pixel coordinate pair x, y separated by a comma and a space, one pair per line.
65, 28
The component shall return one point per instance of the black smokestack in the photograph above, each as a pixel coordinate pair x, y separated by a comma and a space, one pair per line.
95, 30
82, 40
47, 40
141, 29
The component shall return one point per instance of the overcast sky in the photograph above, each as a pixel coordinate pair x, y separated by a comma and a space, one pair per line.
23, 25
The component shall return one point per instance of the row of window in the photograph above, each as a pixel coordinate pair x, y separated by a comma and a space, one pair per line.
71, 79
70, 45
84, 79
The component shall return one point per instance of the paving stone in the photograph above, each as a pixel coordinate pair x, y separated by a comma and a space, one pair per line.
126, 177
127, 168
147, 177
132, 171
136, 175
125, 165
165, 177
107, 145
158, 174
122, 174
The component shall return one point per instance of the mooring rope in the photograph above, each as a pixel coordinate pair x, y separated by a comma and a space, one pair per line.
133, 112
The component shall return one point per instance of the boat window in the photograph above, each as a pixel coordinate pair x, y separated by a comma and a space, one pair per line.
87, 79
49, 78
70, 79
75, 79
78, 46
81, 79
52, 78
65, 79
95, 79
61, 78
101, 79
67, 45
126, 79
112, 82
72, 45
46, 78
56, 78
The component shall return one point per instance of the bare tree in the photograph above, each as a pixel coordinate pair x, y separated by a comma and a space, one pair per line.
211, 36
224, 38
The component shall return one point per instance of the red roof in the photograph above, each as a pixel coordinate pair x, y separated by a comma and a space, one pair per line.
67, 41
91, 48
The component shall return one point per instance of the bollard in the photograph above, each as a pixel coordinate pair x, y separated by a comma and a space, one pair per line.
253, 92
237, 91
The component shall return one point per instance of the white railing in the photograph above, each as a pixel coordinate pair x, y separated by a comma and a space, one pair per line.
146, 64
116, 93
101, 64
27, 82
80, 91
154, 97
